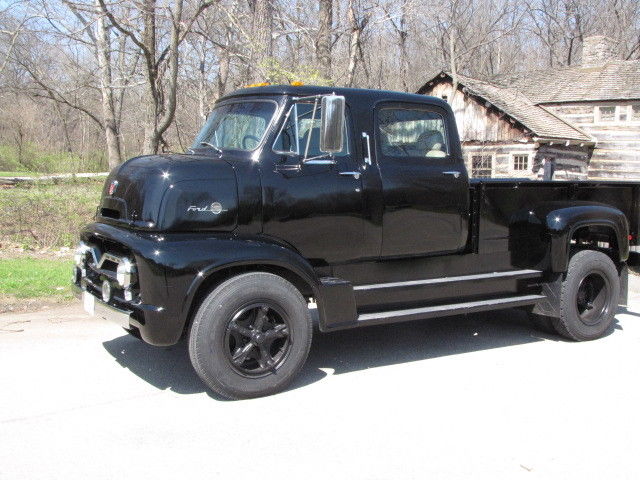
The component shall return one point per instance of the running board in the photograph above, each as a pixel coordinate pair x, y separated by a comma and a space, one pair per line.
393, 316
464, 278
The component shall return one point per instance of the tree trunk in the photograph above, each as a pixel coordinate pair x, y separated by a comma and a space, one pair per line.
354, 43
110, 123
453, 66
151, 139
402, 41
224, 63
261, 40
323, 42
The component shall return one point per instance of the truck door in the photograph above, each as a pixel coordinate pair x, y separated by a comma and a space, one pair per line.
425, 188
313, 201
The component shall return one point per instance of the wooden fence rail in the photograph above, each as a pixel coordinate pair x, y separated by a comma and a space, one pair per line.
61, 176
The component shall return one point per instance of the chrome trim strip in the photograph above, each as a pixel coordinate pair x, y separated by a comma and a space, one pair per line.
443, 308
319, 161
464, 278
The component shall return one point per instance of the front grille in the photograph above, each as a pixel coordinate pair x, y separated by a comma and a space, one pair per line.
100, 262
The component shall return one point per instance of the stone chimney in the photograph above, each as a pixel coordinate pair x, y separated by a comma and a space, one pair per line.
598, 50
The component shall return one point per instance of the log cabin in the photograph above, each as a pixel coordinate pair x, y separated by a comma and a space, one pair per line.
573, 122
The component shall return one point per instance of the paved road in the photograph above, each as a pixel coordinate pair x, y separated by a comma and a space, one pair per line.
482, 396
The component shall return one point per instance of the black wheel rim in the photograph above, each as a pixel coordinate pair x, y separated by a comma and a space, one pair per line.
593, 298
258, 339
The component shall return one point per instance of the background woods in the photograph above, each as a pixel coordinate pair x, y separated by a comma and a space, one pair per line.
92, 82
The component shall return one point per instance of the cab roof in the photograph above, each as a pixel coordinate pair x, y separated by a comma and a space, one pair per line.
361, 94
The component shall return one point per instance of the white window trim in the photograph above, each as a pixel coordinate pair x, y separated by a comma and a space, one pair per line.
618, 110
477, 154
512, 161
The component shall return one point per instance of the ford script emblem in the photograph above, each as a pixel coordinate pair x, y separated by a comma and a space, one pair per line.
112, 187
215, 208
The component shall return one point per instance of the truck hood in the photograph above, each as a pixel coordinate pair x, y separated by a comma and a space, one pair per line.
171, 193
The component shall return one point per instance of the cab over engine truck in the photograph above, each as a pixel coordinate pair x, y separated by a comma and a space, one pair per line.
356, 200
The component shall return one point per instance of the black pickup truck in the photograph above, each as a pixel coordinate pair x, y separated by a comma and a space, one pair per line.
357, 201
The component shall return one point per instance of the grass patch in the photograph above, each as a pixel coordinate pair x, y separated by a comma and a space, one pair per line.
33, 158
47, 215
28, 277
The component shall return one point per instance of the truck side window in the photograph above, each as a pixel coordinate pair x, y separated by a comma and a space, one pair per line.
406, 132
301, 129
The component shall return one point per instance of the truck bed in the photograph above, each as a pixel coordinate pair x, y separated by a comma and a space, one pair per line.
497, 203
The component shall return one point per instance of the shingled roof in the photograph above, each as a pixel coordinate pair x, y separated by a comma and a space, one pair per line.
615, 80
516, 105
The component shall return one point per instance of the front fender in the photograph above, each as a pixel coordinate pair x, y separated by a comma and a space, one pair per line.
194, 260
560, 220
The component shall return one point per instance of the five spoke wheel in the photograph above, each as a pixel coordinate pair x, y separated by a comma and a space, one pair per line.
257, 339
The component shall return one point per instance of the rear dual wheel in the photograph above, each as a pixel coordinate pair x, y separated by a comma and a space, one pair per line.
250, 336
588, 300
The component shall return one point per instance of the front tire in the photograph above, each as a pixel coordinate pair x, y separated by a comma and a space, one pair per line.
589, 297
250, 336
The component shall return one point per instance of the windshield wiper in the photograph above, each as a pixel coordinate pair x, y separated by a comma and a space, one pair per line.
217, 149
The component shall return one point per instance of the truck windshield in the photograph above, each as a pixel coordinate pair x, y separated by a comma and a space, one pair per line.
236, 126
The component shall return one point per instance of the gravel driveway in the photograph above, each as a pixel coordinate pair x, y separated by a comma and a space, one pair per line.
480, 396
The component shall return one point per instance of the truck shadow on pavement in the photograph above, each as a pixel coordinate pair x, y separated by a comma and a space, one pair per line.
348, 350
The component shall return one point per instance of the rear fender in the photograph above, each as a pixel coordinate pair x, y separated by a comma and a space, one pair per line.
560, 223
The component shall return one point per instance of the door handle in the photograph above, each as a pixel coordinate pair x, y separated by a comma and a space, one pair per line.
355, 175
455, 173
367, 143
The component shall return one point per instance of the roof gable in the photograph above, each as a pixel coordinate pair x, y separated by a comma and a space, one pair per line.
516, 105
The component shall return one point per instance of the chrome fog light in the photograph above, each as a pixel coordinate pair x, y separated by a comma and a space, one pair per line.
106, 291
125, 273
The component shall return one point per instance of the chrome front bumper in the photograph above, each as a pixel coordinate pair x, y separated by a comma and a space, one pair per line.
94, 306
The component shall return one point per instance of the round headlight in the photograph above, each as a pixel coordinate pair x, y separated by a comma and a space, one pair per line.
80, 254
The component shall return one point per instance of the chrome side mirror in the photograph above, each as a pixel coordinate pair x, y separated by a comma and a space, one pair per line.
332, 124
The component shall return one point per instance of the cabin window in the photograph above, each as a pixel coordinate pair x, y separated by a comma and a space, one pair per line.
521, 163
607, 114
635, 112
409, 132
481, 166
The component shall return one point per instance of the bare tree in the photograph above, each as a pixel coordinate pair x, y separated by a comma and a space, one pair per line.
161, 93
261, 39
324, 41
465, 28
358, 19
118, 76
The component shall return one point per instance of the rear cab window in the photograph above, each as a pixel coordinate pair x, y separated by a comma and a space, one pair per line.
411, 131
